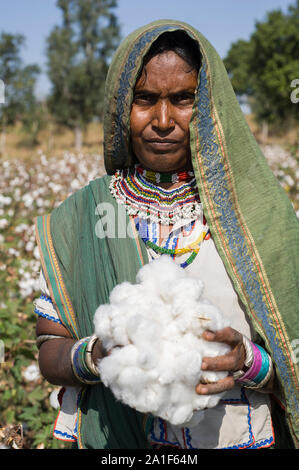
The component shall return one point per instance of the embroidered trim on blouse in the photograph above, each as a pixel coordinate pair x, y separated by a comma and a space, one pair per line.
46, 297
264, 443
158, 441
68, 437
45, 315
162, 439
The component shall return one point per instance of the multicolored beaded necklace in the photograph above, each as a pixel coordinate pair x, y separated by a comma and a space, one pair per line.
194, 247
155, 177
148, 201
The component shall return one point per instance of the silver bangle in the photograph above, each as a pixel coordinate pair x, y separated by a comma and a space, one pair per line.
42, 338
248, 358
89, 362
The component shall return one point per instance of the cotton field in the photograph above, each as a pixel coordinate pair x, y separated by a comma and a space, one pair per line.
28, 189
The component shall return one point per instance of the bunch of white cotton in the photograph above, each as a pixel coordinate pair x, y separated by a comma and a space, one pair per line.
153, 329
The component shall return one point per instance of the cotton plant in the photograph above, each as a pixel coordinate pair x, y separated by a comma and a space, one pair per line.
153, 332
28, 190
31, 373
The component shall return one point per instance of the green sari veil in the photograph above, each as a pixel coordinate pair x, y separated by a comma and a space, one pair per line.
252, 222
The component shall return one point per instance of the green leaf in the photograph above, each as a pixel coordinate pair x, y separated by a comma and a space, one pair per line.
36, 395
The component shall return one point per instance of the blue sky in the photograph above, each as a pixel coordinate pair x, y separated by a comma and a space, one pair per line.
221, 21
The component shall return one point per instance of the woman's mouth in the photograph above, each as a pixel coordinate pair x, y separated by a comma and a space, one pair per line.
162, 144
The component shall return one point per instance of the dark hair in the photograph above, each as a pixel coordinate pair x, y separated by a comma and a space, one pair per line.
179, 42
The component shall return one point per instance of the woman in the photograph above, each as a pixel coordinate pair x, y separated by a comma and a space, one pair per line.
175, 142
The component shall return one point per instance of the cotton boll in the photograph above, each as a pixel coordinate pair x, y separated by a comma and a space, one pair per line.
160, 312
215, 319
169, 365
102, 318
192, 368
209, 376
126, 356
180, 414
179, 407
110, 367
126, 293
132, 378
119, 326
148, 359
142, 331
182, 304
147, 338
198, 325
173, 330
122, 293
182, 289
109, 328
181, 394
207, 401
159, 323
153, 275
154, 395
196, 418
180, 354
214, 348
118, 323
143, 397
192, 315
31, 373
109, 374
189, 321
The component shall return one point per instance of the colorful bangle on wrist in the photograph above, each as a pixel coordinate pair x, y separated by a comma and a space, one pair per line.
81, 361
260, 369
264, 366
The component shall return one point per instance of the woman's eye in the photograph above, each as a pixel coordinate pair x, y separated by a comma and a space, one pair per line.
183, 98
144, 99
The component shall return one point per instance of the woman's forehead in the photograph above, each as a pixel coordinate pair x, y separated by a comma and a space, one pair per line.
166, 69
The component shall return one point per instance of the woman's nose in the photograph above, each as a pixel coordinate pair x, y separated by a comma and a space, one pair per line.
162, 118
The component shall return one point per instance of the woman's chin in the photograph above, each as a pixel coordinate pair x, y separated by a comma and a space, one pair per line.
165, 165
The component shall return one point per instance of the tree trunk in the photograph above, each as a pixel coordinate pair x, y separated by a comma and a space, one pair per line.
35, 132
2, 141
78, 138
50, 137
265, 131
2, 92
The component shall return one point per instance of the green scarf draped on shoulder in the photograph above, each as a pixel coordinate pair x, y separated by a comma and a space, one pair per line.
252, 222
82, 266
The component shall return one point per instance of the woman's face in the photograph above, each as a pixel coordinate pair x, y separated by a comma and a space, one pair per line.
161, 112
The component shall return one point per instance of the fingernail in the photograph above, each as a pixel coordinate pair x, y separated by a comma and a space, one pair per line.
202, 389
209, 334
204, 365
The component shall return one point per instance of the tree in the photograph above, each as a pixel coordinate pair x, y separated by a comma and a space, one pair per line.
264, 67
78, 54
34, 120
19, 83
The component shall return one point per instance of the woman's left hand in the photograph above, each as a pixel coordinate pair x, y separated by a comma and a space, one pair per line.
231, 361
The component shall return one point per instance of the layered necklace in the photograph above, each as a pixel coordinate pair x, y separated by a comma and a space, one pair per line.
137, 190
192, 248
